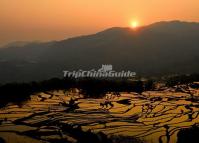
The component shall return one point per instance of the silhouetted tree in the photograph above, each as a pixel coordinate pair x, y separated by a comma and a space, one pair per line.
189, 135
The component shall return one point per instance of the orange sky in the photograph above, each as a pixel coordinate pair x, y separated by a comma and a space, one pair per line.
59, 19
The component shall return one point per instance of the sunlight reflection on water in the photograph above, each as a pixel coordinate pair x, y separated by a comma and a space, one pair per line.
144, 118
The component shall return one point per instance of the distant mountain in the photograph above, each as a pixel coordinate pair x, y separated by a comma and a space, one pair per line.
18, 44
157, 49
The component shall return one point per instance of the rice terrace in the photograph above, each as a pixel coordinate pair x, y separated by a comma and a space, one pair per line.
99, 71
156, 113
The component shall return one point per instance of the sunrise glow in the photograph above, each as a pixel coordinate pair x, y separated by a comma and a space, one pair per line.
44, 20
134, 24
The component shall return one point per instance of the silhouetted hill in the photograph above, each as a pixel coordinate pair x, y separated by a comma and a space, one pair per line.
156, 49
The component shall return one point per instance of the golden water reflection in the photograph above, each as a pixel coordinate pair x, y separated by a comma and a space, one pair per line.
146, 117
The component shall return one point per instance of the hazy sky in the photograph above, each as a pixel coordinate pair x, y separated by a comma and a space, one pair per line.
59, 19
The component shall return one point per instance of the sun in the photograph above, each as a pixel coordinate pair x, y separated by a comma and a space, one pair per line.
134, 24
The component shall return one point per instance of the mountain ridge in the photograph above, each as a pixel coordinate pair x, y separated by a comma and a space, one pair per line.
157, 49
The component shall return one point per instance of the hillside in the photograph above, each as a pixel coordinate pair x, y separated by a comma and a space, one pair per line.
157, 49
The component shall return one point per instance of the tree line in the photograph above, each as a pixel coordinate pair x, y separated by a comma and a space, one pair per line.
20, 92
